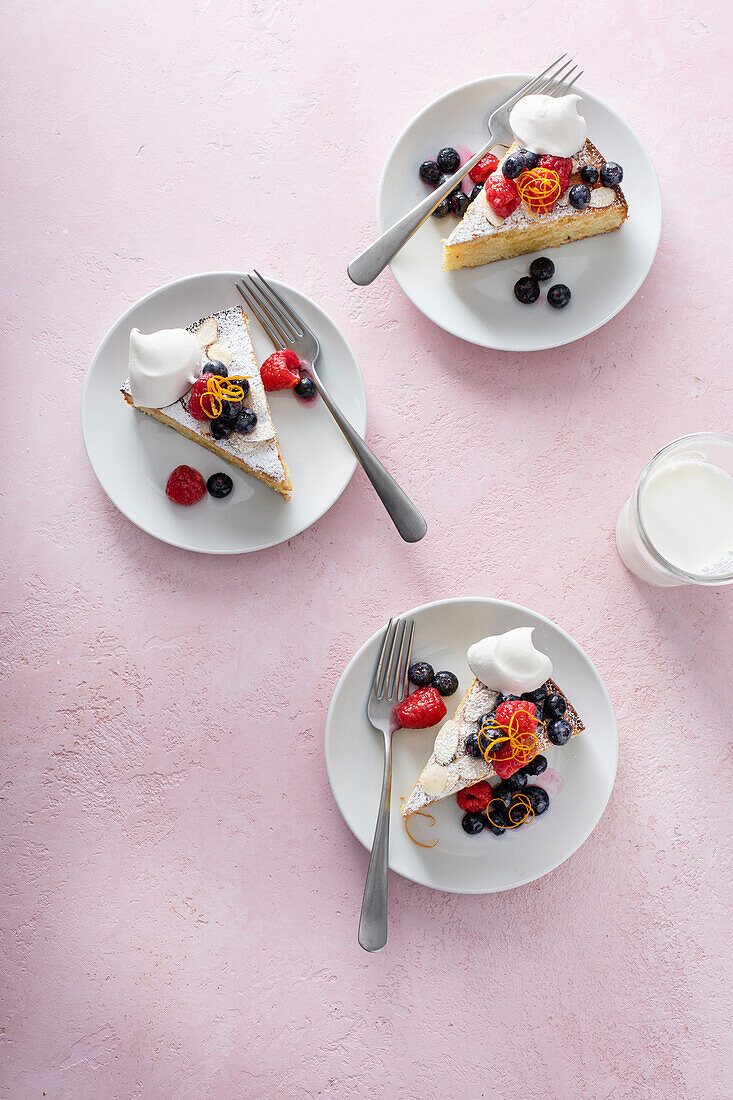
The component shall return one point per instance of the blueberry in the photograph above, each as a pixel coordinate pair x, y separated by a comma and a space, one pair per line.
429, 172
472, 746
518, 813
421, 674
513, 166
215, 367
221, 429
448, 160
230, 410
537, 695
456, 189
530, 159
526, 290
579, 196
220, 485
476, 192
502, 698
560, 731
246, 422
497, 819
558, 295
516, 782
503, 794
473, 824
589, 174
555, 706
443, 209
539, 799
611, 174
459, 202
243, 385
445, 683
542, 268
306, 388
536, 766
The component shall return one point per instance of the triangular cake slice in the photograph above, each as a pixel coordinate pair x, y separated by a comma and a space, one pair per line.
225, 336
483, 237
450, 768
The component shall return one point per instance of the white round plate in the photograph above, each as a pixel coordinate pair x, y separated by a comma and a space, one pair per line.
132, 454
478, 304
580, 775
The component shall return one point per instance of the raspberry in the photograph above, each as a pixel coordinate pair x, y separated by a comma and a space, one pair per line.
280, 371
523, 716
502, 195
421, 709
562, 165
476, 798
481, 171
185, 486
194, 399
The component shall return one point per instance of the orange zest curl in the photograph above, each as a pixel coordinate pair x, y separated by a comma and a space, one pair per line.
419, 813
220, 389
519, 799
539, 189
497, 734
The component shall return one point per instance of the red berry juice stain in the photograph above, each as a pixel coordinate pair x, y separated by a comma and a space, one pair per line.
305, 373
551, 780
465, 154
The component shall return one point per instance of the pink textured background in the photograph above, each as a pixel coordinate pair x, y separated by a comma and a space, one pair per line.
175, 921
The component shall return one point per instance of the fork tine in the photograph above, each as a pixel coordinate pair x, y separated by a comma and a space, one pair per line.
569, 84
246, 294
528, 86
269, 297
283, 333
394, 665
282, 306
555, 79
404, 672
560, 81
387, 657
380, 659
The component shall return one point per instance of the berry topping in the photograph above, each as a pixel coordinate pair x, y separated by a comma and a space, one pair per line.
185, 486
555, 705
459, 203
476, 192
445, 682
473, 824
542, 268
215, 367
559, 731
517, 781
306, 388
503, 793
421, 674
539, 799
444, 179
520, 810
221, 428
530, 159
589, 174
559, 295
562, 165
472, 746
194, 398
539, 190
521, 712
280, 371
513, 166
537, 695
421, 709
476, 798
485, 167
509, 737
611, 174
502, 195
429, 172
579, 196
536, 766
526, 290
246, 422
443, 209
497, 817
220, 485
448, 160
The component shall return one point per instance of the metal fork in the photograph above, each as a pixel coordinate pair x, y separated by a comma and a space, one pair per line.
555, 80
287, 329
389, 687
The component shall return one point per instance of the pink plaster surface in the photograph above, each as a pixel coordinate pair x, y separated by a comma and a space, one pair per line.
179, 904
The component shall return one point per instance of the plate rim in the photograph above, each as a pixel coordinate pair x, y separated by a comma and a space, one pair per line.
84, 397
486, 600
503, 346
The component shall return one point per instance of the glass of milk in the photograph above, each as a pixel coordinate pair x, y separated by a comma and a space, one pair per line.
677, 526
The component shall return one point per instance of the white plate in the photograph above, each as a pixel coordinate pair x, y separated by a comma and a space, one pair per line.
132, 455
484, 864
478, 304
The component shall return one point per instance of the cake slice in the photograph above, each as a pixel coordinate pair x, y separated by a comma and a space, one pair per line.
225, 337
483, 237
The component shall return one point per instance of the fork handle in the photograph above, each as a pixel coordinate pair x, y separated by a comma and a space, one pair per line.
373, 260
373, 919
403, 513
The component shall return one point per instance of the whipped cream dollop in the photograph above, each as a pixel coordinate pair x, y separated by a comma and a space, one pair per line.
544, 124
163, 366
509, 662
